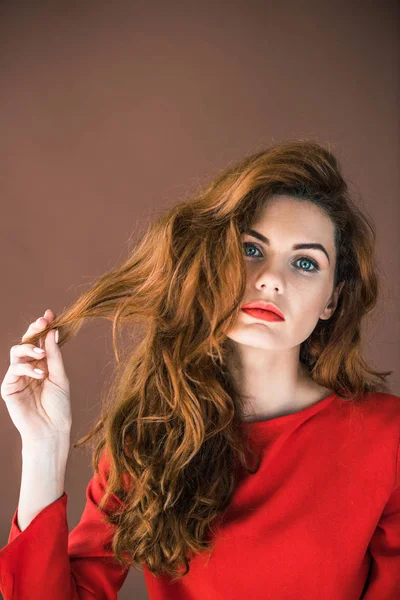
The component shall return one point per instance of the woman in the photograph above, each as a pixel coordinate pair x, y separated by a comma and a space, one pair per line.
239, 454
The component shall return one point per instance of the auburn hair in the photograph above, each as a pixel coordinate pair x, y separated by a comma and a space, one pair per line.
170, 414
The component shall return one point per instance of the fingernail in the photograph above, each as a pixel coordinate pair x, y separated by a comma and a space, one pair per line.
56, 336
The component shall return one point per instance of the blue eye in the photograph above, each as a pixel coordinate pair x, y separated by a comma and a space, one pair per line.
315, 266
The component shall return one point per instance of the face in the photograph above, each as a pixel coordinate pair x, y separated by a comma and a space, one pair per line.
299, 282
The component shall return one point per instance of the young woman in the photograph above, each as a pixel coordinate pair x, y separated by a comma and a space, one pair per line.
241, 451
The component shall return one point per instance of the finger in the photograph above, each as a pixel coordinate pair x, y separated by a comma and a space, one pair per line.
19, 353
21, 369
38, 325
49, 314
14, 373
55, 363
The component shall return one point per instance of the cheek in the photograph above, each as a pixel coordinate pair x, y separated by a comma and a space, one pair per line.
305, 307
307, 312
302, 325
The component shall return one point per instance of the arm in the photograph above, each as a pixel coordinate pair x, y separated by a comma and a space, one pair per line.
45, 560
384, 576
44, 463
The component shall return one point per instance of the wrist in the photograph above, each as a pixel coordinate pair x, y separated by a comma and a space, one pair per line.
59, 440
54, 450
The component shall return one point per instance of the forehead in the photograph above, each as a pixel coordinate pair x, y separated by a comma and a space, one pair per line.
285, 216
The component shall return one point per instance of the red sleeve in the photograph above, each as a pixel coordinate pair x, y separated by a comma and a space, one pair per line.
46, 561
384, 576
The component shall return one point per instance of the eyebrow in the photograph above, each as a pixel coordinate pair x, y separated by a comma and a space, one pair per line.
311, 245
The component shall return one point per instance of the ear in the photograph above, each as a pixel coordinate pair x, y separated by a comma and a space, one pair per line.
332, 304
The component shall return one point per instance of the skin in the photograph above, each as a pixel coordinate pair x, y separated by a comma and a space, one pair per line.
265, 364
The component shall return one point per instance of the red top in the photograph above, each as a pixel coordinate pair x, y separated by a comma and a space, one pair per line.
320, 519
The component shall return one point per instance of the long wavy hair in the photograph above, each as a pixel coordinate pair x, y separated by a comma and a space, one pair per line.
170, 415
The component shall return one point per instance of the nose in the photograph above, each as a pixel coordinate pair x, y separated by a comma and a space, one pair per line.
270, 277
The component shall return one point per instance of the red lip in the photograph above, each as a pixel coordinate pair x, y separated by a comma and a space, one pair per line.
266, 306
264, 315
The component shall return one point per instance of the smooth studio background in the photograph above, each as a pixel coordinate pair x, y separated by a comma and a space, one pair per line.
109, 112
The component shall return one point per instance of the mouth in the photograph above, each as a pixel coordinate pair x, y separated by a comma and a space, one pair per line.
264, 315
263, 307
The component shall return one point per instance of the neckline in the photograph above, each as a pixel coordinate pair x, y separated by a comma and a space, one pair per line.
283, 419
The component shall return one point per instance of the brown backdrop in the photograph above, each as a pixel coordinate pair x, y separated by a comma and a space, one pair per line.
108, 112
